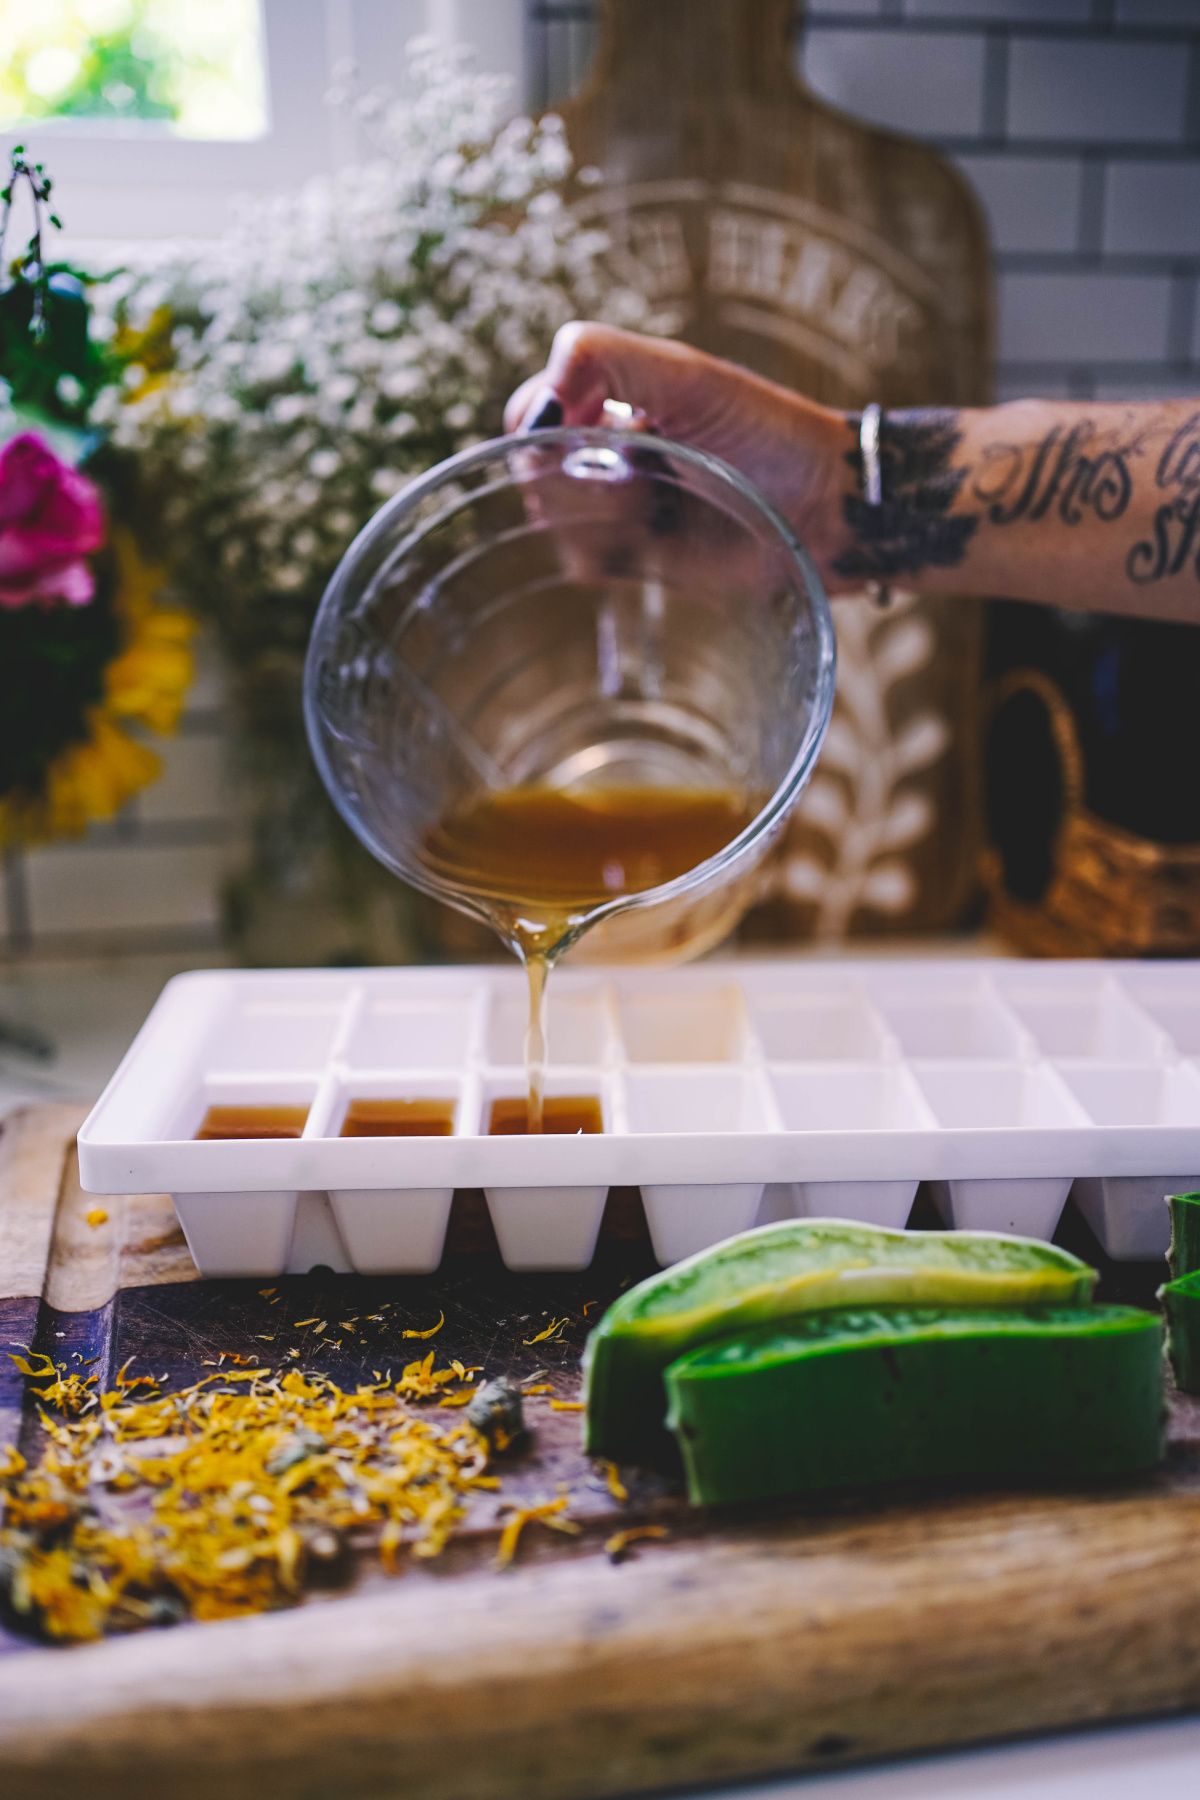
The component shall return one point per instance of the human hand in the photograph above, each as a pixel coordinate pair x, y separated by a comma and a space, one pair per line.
793, 450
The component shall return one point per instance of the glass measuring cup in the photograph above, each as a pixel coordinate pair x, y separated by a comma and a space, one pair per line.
580, 610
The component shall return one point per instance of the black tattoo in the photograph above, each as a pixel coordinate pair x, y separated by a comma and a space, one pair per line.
912, 529
1177, 520
1021, 481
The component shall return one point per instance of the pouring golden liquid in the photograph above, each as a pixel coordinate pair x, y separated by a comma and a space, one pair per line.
543, 858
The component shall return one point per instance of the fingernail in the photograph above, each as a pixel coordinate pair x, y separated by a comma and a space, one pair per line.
544, 413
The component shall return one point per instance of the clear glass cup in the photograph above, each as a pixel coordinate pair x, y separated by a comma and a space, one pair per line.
574, 609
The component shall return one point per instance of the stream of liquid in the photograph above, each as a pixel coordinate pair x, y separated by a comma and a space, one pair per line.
544, 858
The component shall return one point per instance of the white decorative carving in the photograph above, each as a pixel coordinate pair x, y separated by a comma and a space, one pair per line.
858, 800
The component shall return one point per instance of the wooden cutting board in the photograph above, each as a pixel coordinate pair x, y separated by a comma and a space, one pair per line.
740, 1644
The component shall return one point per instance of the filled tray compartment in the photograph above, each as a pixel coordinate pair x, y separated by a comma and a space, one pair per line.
729, 1093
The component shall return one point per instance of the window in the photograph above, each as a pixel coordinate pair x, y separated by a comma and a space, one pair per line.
246, 111
166, 65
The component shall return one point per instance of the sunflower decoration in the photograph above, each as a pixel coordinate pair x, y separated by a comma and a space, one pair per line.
89, 662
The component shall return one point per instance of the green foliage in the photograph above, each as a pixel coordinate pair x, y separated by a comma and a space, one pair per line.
47, 356
115, 82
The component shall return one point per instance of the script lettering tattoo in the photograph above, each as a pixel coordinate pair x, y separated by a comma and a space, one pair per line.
1064, 471
912, 529
1177, 521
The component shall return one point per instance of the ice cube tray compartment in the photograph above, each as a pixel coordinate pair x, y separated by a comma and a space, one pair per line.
964, 1019
730, 1093
1085, 1019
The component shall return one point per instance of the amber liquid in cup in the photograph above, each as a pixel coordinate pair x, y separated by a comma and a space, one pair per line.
252, 1122
398, 1118
545, 858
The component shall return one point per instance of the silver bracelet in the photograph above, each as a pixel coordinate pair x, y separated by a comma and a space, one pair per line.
868, 443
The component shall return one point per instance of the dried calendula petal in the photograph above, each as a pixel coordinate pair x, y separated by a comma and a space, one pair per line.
237, 1487
552, 1330
432, 1332
547, 1511
612, 1478
617, 1546
96, 1216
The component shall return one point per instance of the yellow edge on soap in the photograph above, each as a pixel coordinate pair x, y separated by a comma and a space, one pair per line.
826, 1289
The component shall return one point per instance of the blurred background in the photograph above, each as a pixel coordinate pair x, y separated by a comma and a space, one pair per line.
1075, 122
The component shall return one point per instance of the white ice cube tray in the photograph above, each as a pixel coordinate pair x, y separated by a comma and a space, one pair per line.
731, 1092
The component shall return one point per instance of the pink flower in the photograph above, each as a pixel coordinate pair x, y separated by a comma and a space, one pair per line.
50, 520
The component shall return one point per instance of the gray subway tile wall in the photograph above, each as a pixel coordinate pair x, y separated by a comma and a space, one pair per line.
151, 878
1109, 90
1032, 202
1077, 121
1030, 11
890, 78
1152, 208
1081, 316
109, 893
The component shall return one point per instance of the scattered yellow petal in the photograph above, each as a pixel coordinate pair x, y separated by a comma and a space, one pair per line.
616, 1486
96, 1216
554, 1326
510, 1537
229, 1481
300, 1322
543, 1387
617, 1545
426, 1334
389, 1543
569, 1405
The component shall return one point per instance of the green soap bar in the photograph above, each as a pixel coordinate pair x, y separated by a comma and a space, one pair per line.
778, 1272
862, 1396
1183, 1258
1181, 1305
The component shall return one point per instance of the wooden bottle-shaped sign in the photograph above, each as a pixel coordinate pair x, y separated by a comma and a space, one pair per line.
852, 264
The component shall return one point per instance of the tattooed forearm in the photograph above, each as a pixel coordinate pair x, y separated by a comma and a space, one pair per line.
954, 483
1177, 521
1066, 470
913, 528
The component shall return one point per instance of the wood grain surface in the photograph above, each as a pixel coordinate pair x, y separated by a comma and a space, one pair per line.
740, 1644
851, 264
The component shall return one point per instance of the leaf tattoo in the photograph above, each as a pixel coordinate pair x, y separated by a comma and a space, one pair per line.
913, 527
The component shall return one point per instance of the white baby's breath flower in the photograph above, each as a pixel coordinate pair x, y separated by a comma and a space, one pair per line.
386, 317
339, 340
